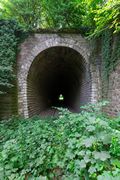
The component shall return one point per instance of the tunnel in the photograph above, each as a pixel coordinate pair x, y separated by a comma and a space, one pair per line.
58, 77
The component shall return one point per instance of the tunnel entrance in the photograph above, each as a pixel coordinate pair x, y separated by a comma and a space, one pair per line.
58, 77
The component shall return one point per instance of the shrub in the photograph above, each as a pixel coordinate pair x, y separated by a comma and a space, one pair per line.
73, 146
11, 35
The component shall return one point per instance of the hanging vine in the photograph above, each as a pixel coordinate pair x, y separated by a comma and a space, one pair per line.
10, 37
106, 56
115, 56
110, 57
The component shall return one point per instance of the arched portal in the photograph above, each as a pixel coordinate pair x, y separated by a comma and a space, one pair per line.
51, 66
58, 72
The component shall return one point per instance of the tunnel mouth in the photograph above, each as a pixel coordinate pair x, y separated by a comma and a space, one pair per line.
58, 77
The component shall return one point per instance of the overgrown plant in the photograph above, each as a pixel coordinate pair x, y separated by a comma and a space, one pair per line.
73, 146
110, 57
10, 36
96, 14
107, 16
26, 12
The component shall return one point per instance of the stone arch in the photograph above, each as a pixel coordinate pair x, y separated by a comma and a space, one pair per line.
38, 43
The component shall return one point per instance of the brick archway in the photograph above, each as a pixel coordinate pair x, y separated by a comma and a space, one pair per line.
38, 43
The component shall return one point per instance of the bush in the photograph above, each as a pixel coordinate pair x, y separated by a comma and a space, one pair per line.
11, 35
73, 146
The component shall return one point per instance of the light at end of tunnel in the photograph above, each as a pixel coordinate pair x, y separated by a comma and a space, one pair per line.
61, 98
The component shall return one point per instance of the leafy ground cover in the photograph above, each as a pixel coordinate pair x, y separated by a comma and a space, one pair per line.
71, 147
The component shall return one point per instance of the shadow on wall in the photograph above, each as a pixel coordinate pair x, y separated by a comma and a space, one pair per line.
58, 72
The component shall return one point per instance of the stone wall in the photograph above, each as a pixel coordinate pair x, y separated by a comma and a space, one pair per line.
9, 103
26, 99
114, 92
33, 47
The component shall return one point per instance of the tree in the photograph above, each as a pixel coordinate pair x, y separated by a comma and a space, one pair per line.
26, 12
63, 14
95, 15
107, 17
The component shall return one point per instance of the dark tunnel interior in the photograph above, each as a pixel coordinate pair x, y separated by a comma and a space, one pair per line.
58, 77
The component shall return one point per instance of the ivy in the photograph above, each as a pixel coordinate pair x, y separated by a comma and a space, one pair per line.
106, 57
110, 57
115, 57
10, 36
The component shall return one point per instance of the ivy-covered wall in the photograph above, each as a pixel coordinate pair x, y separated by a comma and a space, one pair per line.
112, 81
10, 37
110, 58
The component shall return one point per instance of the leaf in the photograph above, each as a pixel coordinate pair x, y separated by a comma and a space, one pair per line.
1, 173
88, 142
103, 123
116, 162
88, 152
41, 178
81, 153
90, 128
87, 158
82, 164
92, 170
105, 177
106, 138
69, 154
37, 178
103, 155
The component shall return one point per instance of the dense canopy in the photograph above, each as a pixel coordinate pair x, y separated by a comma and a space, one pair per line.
92, 16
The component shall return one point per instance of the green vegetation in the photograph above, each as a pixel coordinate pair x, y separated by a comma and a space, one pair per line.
10, 36
108, 16
25, 12
8, 48
91, 15
110, 57
73, 146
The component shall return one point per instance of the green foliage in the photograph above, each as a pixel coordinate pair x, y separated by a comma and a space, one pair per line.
115, 55
110, 57
106, 60
90, 7
91, 15
73, 146
107, 16
8, 45
63, 14
26, 12
9, 32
